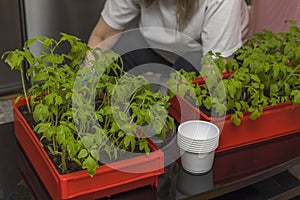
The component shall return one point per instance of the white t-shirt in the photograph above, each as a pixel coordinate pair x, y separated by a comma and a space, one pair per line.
217, 25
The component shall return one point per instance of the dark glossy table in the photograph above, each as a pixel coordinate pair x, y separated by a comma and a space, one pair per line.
176, 183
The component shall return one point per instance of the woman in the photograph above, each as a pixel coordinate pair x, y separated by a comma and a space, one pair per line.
217, 25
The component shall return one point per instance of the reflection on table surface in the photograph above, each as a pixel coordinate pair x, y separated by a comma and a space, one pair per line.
176, 183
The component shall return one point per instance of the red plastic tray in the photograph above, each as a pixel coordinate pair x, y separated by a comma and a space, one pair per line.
244, 161
275, 121
79, 185
201, 80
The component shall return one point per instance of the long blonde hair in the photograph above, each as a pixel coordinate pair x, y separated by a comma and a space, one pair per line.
185, 9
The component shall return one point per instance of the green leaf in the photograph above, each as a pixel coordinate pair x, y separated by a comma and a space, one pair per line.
240, 114
121, 134
41, 76
219, 92
87, 141
29, 42
274, 89
14, 59
238, 106
207, 103
123, 116
17, 100
127, 140
143, 145
72, 126
47, 42
54, 110
114, 127
40, 113
91, 165
100, 118
236, 120
255, 85
220, 108
72, 39
61, 135
132, 142
49, 98
276, 70
211, 81
297, 98
287, 89
255, 78
29, 57
204, 92
53, 58
50, 133
69, 95
95, 154
183, 90
293, 22
42, 127
73, 147
199, 101
58, 100
107, 149
231, 90
255, 114
147, 149
83, 153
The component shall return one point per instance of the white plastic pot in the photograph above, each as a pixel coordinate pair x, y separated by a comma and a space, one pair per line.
197, 163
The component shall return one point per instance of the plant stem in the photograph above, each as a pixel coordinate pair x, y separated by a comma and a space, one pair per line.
77, 161
25, 92
63, 160
287, 78
54, 145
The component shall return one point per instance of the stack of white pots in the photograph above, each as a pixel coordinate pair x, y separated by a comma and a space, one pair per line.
197, 141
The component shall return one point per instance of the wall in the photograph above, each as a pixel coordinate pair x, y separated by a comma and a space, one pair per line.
10, 39
51, 17
271, 14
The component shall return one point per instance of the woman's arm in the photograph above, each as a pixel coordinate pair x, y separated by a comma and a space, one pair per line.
114, 19
101, 32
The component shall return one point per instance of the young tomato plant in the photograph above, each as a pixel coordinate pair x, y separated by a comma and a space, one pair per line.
124, 109
267, 69
52, 75
70, 96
